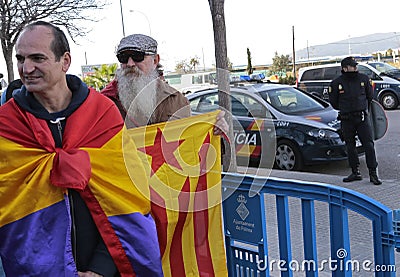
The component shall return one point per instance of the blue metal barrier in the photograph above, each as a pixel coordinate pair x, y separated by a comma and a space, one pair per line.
245, 213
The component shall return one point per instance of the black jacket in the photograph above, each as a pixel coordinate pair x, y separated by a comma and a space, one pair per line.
351, 92
90, 251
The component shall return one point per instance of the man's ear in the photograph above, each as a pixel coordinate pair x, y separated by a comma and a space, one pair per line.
66, 61
156, 59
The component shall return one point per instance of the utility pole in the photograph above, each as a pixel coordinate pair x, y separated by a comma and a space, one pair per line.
294, 56
122, 18
204, 64
349, 47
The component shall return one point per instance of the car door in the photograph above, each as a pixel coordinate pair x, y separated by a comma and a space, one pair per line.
253, 127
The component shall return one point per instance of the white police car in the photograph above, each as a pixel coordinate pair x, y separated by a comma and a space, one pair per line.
278, 124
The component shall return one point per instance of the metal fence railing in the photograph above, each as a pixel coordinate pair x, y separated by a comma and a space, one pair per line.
276, 227
292, 228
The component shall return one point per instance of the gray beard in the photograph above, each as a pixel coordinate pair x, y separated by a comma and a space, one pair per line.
137, 93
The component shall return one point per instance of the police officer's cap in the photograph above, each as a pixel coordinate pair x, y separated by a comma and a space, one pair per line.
349, 61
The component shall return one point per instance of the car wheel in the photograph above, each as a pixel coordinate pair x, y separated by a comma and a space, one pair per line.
389, 101
288, 156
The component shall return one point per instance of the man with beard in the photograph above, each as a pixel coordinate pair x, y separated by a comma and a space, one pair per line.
143, 97
140, 95
351, 94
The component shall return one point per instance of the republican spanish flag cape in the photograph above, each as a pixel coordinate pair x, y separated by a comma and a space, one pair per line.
35, 223
183, 161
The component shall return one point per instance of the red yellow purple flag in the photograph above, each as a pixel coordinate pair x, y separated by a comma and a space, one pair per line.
183, 161
35, 176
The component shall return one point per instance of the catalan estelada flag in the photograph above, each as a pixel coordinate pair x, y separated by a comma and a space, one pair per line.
183, 160
35, 221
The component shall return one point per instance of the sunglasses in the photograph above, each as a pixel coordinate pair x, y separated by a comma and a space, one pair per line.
136, 56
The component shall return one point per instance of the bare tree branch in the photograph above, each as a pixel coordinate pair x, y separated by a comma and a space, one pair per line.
72, 15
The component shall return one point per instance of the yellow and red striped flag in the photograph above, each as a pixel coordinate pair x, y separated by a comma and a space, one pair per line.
183, 161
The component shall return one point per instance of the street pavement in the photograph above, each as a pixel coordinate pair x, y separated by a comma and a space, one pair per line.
360, 228
388, 193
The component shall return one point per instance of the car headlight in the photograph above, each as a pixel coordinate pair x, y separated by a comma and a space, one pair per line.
322, 133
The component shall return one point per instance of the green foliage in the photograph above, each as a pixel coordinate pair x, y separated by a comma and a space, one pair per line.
101, 77
195, 61
182, 67
280, 63
290, 80
187, 67
230, 64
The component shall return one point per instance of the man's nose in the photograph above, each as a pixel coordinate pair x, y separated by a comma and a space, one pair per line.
28, 66
130, 62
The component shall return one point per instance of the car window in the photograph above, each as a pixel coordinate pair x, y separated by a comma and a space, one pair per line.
383, 67
194, 103
245, 105
331, 73
197, 79
241, 104
312, 75
205, 103
365, 70
238, 108
323, 73
289, 100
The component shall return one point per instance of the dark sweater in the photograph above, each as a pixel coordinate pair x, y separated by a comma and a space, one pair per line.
90, 252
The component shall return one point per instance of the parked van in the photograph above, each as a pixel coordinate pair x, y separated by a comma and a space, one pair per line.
191, 82
316, 80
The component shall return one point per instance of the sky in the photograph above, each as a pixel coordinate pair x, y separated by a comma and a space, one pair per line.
183, 28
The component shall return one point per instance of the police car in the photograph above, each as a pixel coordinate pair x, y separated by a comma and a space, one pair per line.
386, 69
278, 125
386, 86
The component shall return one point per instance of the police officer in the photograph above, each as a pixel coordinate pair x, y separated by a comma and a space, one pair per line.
351, 93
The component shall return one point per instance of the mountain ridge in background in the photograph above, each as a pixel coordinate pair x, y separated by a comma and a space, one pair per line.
364, 45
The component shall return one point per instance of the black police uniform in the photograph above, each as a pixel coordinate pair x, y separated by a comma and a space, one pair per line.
351, 94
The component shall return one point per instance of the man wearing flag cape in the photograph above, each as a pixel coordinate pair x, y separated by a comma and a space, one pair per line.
68, 206
191, 241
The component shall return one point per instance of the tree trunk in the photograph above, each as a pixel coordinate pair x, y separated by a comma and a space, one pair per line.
7, 53
218, 18
10, 67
